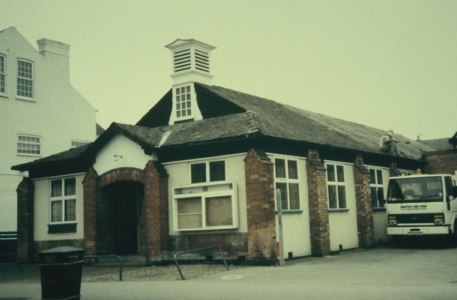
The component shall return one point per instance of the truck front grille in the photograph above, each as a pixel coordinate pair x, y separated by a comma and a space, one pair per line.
415, 218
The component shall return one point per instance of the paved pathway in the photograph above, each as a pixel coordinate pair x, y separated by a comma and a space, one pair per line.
20, 273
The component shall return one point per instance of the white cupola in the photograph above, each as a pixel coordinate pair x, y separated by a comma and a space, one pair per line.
191, 64
191, 61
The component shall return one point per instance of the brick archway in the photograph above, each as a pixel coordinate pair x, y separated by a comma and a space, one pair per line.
122, 174
96, 222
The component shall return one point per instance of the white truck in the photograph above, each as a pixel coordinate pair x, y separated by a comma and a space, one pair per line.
422, 205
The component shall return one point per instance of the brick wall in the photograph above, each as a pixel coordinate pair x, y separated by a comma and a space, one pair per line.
441, 162
25, 221
318, 207
90, 212
156, 212
233, 244
260, 207
365, 225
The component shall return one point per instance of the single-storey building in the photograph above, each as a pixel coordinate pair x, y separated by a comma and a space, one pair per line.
203, 167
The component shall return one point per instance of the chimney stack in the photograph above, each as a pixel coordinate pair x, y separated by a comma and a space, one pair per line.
58, 54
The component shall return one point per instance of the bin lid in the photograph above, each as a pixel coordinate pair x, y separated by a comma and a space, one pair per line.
60, 250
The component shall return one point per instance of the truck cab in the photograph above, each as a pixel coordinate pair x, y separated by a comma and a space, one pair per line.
422, 205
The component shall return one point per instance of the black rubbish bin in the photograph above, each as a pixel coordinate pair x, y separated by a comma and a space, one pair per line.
61, 272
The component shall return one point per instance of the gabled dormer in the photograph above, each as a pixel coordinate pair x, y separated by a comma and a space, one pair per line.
191, 63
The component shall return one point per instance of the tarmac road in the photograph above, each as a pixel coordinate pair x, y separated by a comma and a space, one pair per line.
381, 273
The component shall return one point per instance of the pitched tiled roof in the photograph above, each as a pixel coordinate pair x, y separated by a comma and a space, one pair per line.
437, 144
284, 121
73, 153
246, 115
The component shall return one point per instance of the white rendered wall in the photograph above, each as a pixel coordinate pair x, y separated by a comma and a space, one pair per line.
295, 226
343, 224
121, 152
179, 176
42, 211
57, 114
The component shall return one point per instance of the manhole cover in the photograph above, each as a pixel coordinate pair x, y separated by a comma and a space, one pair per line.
231, 277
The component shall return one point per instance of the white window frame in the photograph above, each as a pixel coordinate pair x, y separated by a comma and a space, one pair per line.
207, 171
195, 113
76, 144
337, 184
2, 74
63, 199
205, 192
183, 107
24, 144
289, 181
375, 185
30, 79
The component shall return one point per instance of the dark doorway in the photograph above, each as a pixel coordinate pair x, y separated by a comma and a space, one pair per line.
126, 199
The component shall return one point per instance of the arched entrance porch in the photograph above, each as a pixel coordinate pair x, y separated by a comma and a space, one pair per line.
125, 202
101, 192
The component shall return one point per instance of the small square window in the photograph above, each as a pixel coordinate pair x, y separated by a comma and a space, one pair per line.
198, 173
217, 171
201, 172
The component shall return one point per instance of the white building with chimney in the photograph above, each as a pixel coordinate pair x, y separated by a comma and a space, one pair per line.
40, 112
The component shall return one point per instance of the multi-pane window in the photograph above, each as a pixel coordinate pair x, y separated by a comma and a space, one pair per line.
286, 175
24, 79
75, 144
336, 186
2, 74
376, 186
28, 145
183, 101
207, 206
63, 200
207, 172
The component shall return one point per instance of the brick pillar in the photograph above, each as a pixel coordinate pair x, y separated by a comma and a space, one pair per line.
318, 206
90, 187
25, 221
365, 225
156, 211
260, 207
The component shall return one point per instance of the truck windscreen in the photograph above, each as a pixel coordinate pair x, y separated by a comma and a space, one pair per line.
415, 189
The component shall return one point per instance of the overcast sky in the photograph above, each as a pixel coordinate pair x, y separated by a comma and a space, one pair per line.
385, 64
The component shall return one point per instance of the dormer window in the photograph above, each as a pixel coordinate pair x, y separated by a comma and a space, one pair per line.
185, 107
183, 102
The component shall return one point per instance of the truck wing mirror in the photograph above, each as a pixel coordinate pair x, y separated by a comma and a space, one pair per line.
454, 191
